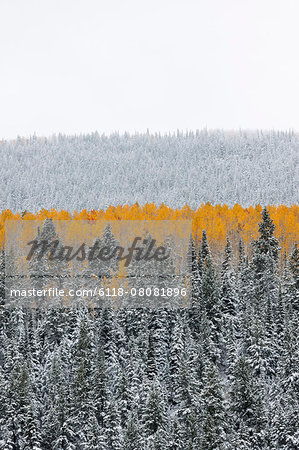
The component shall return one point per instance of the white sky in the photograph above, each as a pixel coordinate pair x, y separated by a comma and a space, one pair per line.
75, 66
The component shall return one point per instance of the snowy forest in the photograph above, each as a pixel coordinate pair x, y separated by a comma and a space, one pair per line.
149, 225
86, 171
221, 374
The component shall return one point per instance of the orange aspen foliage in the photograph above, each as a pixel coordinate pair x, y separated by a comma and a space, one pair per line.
219, 221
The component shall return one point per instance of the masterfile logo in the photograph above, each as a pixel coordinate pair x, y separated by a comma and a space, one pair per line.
54, 251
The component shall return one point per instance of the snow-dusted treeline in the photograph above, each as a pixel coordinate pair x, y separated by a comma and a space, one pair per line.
222, 374
95, 171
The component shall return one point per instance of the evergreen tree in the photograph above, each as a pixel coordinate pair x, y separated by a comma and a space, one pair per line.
265, 262
154, 416
112, 428
210, 295
204, 246
294, 268
228, 278
2, 277
246, 406
132, 439
213, 420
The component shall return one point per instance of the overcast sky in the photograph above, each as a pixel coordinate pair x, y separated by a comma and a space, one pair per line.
75, 66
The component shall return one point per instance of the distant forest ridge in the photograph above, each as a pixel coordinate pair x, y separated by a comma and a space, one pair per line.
94, 171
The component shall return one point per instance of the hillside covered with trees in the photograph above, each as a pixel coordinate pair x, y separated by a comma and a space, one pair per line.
94, 171
222, 374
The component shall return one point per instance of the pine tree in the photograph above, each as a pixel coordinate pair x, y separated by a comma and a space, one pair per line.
294, 268
265, 262
196, 285
154, 416
247, 419
2, 277
175, 362
176, 441
112, 428
228, 287
104, 267
194, 271
204, 246
213, 421
211, 297
132, 439
47, 266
